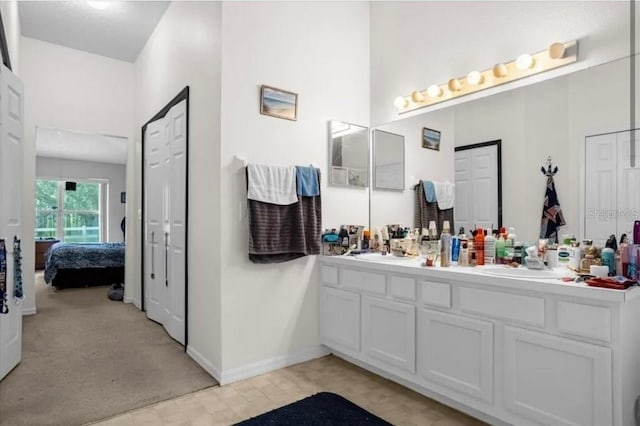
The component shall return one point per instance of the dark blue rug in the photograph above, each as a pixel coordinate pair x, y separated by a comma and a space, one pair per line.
321, 409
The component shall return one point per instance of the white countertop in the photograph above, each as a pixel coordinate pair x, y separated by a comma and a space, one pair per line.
454, 273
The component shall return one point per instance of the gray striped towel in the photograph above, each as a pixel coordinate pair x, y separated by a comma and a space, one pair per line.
280, 233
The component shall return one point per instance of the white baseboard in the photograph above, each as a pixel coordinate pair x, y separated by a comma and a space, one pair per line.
271, 364
133, 300
30, 311
204, 363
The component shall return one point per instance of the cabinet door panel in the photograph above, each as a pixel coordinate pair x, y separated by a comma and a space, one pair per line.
341, 319
557, 381
389, 332
456, 352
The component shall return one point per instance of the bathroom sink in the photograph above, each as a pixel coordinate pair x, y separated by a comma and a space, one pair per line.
389, 258
522, 272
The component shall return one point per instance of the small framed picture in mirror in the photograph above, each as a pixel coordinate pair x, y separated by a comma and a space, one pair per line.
431, 139
278, 103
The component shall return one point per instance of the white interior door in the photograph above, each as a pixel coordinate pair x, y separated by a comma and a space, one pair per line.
11, 160
612, 199
155, 146
628, 185
601, 182
476, 200
165, 220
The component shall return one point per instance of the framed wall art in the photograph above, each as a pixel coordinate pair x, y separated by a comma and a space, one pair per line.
278, 103
431, 139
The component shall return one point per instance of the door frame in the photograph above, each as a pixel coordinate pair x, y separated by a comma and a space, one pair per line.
4, 48
182, 96
498, 143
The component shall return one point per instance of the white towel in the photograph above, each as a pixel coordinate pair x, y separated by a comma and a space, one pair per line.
272, 184
445, 193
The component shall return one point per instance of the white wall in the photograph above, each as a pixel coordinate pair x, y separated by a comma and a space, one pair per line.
184, 49
390, 207
319, 50
416, 44
72, 90
11, 23
115, 174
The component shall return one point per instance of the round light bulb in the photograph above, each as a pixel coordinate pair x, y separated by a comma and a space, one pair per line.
434, 91
475, 78
417, 96
454, 85
524, 61
556, 50
400, 102
500, 70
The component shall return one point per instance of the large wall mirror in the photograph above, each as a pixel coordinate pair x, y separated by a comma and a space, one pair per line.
388, 161
348, 155
548, 118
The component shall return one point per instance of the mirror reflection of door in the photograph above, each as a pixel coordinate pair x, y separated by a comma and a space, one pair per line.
388, 161
478, 199
348, 154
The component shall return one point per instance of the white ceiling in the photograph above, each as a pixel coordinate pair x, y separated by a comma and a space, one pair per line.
58, 143
120, 31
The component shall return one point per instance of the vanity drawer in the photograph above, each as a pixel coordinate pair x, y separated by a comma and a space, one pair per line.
402, 288
506, 306
436, 294
329, 275
583, 320
369, 282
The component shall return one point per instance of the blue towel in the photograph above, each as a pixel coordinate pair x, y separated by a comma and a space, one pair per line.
307, 181
429, 191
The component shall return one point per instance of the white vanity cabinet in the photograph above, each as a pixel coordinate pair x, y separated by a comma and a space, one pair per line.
580, 374
457, 353
389, 332
505, 350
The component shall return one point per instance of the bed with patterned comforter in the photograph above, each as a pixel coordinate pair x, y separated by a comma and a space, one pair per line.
104, 261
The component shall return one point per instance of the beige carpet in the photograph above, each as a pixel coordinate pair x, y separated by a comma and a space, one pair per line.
86, 358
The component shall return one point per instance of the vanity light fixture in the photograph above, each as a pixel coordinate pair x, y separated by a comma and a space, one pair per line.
526, 65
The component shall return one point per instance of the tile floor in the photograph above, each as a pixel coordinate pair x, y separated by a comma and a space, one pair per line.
238, 401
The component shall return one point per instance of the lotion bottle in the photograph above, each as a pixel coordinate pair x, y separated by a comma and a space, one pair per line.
445, 245
489, 249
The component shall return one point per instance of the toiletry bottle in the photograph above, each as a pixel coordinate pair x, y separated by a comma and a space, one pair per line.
478, 244
463, 258
608, 258
432, 249
489, 249
624, 258
508, 246
636, 232
500, 248
445, 245
455, 249
575, 256
633, 262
